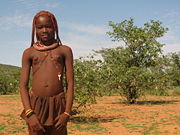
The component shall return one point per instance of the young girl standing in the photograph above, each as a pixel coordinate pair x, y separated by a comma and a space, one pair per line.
47, 107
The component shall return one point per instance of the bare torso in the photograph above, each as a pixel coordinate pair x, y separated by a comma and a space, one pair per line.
47, 71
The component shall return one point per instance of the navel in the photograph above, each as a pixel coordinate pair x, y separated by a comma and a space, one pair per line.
46, 85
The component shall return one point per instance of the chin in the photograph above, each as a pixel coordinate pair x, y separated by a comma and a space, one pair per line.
45, 40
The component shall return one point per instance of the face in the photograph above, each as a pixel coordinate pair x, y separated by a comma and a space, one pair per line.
44, 29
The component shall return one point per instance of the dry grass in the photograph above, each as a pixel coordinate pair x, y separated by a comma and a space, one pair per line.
153, 115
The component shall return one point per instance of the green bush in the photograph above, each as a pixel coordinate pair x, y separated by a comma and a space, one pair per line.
87, 82
9, 79
176, 91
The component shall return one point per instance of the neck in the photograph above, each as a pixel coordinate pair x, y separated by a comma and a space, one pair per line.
43, 47
48, 43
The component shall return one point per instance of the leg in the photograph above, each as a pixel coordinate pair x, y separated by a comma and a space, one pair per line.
35, 133
51, 130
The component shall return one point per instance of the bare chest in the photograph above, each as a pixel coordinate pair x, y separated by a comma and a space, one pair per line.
47, 56
47, 60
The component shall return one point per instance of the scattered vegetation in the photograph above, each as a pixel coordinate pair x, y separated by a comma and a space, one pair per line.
9, 79
134, 70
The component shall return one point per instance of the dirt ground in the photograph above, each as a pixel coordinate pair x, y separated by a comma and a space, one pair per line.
152, 115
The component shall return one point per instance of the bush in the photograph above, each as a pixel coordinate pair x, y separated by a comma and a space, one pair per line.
86, 74
9, 81
176, 91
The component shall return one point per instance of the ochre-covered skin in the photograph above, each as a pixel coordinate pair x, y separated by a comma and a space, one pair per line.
48, 67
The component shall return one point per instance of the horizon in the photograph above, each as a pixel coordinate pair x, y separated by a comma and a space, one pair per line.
83, 24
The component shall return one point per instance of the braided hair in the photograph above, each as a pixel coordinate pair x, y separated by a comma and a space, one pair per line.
55, 25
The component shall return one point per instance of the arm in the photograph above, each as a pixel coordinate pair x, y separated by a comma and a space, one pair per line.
70, 80
63, 118
24, 79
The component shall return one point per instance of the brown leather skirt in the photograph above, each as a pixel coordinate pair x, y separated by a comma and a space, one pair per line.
46, 108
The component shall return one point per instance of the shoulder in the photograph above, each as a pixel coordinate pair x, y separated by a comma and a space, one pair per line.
66, 51
65, 48
28, 51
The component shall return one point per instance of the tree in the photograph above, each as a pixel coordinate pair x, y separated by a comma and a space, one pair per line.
160, 81
86, 71
130, 64
174, 69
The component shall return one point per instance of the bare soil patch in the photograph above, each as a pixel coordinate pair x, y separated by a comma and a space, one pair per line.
152, 115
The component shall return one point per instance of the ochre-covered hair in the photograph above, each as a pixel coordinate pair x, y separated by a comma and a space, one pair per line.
53, 19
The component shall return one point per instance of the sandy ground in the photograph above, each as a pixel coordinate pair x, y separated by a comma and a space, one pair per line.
152, 115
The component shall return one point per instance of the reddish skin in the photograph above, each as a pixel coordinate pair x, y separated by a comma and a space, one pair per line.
45, 80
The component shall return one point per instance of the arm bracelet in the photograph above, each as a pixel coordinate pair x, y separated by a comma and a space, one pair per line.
67, 114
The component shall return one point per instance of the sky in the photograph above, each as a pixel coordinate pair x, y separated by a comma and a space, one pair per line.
83, 23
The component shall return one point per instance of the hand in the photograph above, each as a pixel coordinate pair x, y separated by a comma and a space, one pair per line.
61, 121
35, 124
